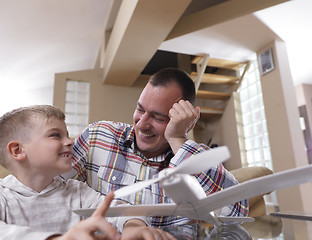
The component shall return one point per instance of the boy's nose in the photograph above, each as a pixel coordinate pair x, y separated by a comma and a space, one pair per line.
69, 142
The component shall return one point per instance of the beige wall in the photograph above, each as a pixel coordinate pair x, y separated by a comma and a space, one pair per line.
285, 135
226, 134
107, 102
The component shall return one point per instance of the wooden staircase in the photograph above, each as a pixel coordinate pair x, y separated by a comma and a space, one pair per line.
215, 81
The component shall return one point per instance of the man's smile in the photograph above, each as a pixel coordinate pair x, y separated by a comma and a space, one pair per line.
146, 135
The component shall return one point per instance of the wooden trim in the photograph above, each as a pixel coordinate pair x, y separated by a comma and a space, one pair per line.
216, 78
212, 95
209, 112
220, 63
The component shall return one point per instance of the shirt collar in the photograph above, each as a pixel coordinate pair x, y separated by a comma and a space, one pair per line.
130, 143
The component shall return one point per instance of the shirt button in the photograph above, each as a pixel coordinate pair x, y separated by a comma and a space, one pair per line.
144, 163
114, 178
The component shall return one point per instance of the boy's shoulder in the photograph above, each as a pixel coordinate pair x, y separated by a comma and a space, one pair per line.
81, 190
9, 181
72, 186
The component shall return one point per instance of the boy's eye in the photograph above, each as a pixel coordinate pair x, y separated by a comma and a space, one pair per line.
55, 135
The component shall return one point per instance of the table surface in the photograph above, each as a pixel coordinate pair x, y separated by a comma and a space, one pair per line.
267, 227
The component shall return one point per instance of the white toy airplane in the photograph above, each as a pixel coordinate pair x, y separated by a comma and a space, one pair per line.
190, 199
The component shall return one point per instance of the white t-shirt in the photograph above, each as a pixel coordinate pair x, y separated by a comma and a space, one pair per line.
27, 214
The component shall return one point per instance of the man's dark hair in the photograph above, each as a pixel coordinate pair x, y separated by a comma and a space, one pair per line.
173, 75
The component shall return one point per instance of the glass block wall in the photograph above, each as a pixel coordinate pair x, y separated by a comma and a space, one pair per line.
77, 106
253, 130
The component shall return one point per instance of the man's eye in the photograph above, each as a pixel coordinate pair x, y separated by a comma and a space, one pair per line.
159, 119
140, 110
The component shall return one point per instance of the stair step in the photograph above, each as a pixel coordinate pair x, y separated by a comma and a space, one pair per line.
216, 78
212, 95
207, 112
220, 63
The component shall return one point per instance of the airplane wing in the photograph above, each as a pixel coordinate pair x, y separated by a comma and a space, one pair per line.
217, 200
156, 210
134, 210
255, 187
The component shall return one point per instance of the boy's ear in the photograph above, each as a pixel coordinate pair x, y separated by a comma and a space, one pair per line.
16, 150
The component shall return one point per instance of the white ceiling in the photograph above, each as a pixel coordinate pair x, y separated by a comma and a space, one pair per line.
235, 40
238, 39
292, 21
39, 38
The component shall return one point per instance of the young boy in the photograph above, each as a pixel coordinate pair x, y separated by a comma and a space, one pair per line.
35, 203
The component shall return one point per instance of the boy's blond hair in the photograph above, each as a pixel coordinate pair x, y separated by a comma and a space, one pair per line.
16, 124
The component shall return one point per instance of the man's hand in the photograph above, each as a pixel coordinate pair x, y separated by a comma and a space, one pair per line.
183, 117
136, 229
94, 227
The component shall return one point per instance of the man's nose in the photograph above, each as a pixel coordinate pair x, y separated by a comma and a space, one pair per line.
144, 120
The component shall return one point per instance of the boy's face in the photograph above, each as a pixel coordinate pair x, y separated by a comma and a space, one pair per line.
48, 149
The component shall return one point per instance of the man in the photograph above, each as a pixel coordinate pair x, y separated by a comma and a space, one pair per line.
110, 155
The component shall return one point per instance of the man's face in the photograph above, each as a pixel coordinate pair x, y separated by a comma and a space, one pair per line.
151, 118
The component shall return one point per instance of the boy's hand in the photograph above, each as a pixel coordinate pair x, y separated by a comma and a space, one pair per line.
94, 227
137, 230
183, 117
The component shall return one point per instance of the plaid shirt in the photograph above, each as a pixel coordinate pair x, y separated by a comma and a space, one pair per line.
105, 157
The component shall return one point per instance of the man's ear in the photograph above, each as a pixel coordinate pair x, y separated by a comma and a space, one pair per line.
16, 150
